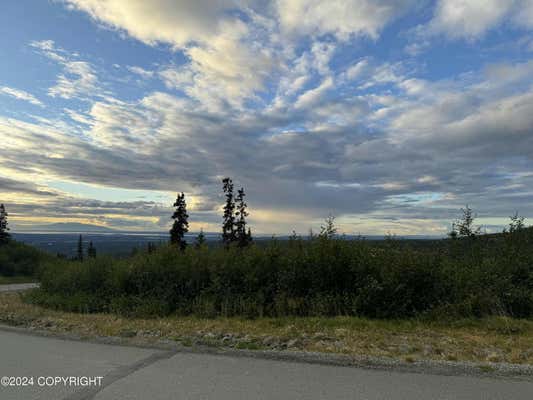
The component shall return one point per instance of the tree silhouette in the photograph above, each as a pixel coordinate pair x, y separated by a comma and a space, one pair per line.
181, 223
328, 230
249, 238
200, 239
91, 251
464, 227
228, 224
516, 224
79, 256
243, 237
4, 234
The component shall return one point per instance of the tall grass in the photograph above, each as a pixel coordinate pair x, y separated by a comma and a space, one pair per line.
319, 277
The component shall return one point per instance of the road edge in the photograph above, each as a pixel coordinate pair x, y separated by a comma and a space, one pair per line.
434, 367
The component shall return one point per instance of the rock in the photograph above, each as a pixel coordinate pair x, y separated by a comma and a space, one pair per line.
210, 336
128, 333
227, 339
293, 343
269, 341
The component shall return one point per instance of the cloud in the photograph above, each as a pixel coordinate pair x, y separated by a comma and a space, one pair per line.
20, 95
292, 101
342, 18
176, 22
471, 19
228, 68
141, 72
312, 96
78, 79
19, 187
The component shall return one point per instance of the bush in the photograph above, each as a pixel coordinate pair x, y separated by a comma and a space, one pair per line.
19, 259
319, 277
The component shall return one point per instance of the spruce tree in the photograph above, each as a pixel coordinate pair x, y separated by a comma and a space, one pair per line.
243, 237
328, 230
228, 224
91, 251
200, 240
181, 223
79, 256
4, 234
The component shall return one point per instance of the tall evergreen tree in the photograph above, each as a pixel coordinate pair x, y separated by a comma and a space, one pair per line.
249, 238
243, 237
4, 229
91, 251
79, 256
328, 230
228, 224
181, 223
200, 239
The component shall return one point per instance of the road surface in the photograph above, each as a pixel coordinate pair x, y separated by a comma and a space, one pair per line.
138, 373
16, 287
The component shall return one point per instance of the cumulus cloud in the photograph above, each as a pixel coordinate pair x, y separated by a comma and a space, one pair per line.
284, 98
342, 18
175, 22
471, 19
20, 95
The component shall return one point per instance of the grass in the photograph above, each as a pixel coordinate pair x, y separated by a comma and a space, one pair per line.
493, 339
5, 280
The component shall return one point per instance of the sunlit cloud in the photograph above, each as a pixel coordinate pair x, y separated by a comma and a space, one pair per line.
313, 107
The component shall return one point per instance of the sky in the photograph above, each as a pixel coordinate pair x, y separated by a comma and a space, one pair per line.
389, 115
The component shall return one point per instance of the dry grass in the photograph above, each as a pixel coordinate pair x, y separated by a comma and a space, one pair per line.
494, 339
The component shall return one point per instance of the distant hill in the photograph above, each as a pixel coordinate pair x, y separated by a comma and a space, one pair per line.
70, 227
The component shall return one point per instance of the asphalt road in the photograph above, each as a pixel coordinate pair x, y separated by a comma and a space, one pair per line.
15, 287
136, 373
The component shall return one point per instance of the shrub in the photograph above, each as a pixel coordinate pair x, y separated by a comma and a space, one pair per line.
323, 276
20, 259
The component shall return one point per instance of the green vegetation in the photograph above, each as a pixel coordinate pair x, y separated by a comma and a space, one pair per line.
4, 229
474, 276
180, 226
467, 275
491, 339
17, 259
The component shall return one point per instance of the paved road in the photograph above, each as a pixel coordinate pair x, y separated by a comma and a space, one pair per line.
17, 287
134, 373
